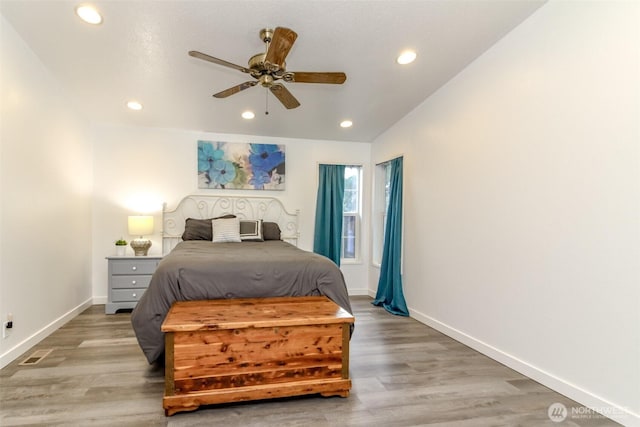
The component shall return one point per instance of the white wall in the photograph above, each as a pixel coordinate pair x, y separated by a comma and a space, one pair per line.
522, 193
45, 196
133, 164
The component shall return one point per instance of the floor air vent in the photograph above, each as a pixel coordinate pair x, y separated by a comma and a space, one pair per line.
36, 357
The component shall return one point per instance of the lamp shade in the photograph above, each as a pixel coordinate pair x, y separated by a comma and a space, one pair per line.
140, 225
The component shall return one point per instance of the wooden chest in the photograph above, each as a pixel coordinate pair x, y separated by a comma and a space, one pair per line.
234, 350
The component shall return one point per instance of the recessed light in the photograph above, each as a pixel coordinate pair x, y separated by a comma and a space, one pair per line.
134, 105
248, 115
346, 124
89, 14
406, 57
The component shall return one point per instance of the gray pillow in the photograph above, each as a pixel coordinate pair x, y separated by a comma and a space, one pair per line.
200, 229
270, 231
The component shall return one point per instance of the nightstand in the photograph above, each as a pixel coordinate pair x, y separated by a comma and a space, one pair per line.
129, 277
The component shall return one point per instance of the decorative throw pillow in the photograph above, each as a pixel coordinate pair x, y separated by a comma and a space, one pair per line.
251, 230
200, 229
226, 230
270, 231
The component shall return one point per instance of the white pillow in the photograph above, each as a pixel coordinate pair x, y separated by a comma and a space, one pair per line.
225, 230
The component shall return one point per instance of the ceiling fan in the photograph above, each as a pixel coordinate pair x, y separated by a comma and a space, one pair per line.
269, 67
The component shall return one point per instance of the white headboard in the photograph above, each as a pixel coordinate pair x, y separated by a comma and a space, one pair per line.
202, 206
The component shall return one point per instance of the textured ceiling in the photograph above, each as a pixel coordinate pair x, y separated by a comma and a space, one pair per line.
140, 52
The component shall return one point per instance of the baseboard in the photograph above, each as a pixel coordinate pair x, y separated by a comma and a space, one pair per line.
358, 292
100, 300
619, 414
20, 348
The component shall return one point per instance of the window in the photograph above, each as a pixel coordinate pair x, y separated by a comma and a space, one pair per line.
381, 201
351, 213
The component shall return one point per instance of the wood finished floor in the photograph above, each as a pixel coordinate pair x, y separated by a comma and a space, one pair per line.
404, 374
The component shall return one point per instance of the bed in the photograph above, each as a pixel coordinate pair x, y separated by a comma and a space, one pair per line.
266, 262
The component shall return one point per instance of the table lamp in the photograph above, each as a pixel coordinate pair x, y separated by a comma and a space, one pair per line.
140, 225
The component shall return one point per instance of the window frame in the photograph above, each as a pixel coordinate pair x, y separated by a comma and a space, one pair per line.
357, 259
381, 205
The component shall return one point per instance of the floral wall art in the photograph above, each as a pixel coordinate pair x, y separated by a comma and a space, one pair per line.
245, 166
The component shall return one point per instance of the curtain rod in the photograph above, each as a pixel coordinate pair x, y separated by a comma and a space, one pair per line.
387, 161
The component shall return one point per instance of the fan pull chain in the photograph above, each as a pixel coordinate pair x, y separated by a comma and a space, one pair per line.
266, 102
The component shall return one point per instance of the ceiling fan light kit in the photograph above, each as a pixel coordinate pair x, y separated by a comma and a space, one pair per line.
269, 67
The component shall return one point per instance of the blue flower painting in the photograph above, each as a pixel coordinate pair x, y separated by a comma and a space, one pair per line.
229, 165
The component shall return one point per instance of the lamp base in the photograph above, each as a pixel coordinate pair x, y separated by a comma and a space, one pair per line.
141, 246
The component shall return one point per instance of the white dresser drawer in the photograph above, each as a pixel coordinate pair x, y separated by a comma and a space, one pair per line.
119, 295
130, 281
126, 266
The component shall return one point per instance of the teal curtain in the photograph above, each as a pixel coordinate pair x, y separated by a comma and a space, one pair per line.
390, 295
327, 239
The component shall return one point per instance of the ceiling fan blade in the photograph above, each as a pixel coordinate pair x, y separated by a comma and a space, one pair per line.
235, 89
280, 45
284, 96
330, 78
222, 62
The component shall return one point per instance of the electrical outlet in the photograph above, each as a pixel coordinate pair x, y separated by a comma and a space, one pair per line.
7, 326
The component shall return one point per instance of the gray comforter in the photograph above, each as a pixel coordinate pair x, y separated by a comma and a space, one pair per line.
197, 270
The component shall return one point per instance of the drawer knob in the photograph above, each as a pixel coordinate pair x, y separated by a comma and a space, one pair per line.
135, 295
134, 268
133, 282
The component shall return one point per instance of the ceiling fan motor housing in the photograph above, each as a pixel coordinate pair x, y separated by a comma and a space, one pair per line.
257, 64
